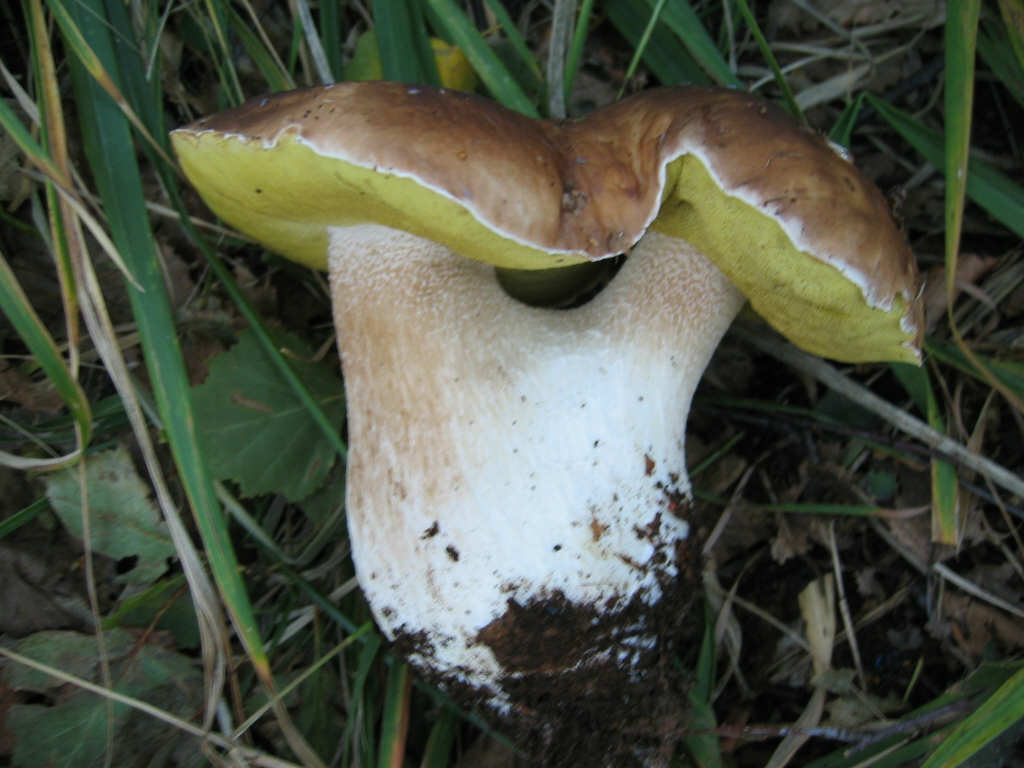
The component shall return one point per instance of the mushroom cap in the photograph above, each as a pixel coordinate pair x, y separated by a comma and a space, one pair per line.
786, 216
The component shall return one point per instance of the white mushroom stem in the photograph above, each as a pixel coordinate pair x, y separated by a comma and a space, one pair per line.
504, 455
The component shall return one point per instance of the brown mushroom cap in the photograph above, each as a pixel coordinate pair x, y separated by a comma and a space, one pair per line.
808, 239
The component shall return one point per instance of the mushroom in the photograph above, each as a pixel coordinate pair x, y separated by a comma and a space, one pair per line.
517, 492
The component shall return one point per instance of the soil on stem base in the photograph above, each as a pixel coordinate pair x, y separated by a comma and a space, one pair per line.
571, 705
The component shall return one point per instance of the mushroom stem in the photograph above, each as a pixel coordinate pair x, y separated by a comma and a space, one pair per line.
515, 472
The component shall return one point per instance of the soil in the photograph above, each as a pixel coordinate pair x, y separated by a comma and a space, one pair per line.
574, 710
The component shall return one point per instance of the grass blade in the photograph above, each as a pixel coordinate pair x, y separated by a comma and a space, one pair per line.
268, 64
989, 188
641, 45
683, 21
1013, 16
671, 64
100, 71
766, 52
524, 56
576, 46
961, 44
961, 36
23, 516
330, 36
396, 718
28, 145
111, 153
703, 747
18, 309
217, 21
999, 712
456, 27
945, 487
405, 53
1009, 372
998, 54
439, 743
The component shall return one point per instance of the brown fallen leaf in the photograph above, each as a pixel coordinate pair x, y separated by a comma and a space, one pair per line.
32, 395
981, 623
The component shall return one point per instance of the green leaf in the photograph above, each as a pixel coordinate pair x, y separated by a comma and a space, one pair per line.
168, 604
74, 733
70, 652
75, 730
124, 522
255, 430
881, 485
